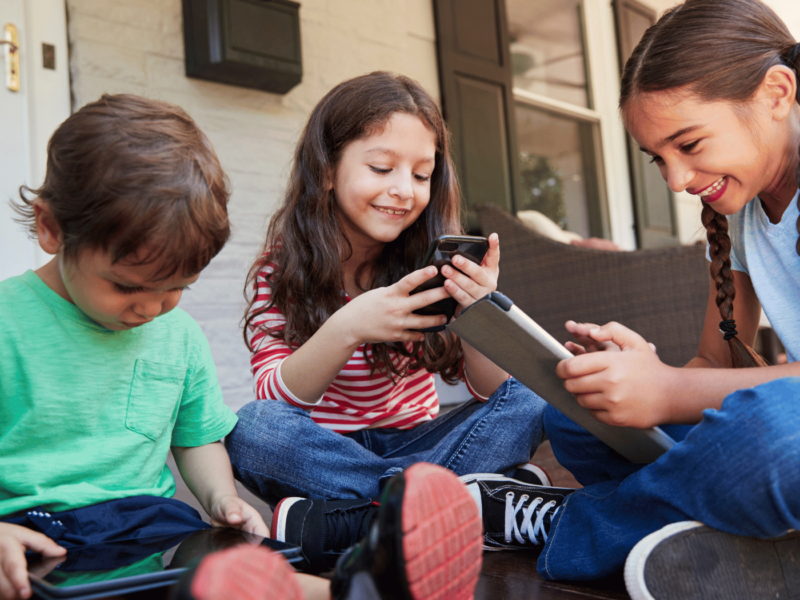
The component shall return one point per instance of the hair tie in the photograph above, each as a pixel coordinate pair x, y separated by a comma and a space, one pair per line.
792, 56
728, 328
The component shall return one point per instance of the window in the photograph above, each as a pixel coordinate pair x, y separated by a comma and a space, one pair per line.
557, 132
547, 55
529, 91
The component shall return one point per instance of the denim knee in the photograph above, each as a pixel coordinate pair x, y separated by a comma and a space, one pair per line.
261, 423
764, 422
766, 419
527, 404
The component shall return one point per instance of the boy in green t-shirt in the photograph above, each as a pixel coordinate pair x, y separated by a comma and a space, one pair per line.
99, 376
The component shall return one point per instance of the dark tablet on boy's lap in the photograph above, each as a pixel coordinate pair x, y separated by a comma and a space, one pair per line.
134, 565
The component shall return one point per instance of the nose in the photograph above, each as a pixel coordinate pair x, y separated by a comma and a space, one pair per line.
678, 176
402, 186
148, 310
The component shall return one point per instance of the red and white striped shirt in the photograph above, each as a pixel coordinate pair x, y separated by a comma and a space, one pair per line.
354, 400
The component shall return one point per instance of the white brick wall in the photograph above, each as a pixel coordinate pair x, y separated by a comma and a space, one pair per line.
136, 46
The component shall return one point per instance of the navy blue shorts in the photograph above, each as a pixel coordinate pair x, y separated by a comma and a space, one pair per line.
113, 521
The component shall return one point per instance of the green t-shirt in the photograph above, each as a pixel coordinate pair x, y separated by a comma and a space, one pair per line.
88, 414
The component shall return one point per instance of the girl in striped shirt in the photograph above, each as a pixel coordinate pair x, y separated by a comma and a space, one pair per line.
345, 383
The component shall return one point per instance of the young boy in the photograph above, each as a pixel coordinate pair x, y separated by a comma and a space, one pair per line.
99, 376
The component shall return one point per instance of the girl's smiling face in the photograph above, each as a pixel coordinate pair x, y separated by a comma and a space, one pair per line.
383, 181
724, 153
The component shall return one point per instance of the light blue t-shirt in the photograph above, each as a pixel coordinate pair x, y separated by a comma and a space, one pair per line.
766, 252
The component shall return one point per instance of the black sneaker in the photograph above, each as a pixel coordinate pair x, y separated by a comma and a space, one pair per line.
533, 474
323, 529
425, 543
516, 515
688, 560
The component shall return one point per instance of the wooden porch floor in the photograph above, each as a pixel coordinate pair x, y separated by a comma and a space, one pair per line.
505, 575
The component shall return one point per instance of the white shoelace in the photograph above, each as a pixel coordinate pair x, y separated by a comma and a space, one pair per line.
531, 529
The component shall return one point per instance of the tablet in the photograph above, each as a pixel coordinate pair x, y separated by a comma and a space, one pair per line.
514, 342
101, 570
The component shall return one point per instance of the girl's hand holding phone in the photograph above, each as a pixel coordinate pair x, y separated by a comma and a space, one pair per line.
473, 282
387, 314
628, 387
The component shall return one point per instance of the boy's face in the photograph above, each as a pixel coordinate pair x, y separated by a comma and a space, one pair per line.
119, 296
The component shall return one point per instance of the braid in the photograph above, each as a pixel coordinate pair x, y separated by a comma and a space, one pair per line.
792, 60
797, 180
719, 244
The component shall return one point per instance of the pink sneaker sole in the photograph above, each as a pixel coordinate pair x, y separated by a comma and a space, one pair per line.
245, 573
442, 535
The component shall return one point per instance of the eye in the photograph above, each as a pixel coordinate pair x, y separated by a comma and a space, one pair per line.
689, 147
423, 178
654, 158
379, 170
124, 289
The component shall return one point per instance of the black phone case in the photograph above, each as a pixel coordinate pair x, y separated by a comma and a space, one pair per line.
440, 254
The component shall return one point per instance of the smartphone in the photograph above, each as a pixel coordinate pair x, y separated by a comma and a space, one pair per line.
441, 253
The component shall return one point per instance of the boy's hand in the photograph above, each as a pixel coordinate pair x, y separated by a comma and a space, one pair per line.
232, 511
474, 281
627, 388
14, 540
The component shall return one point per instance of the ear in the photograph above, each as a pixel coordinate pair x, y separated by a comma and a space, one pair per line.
47, 230
779, 89
330, 179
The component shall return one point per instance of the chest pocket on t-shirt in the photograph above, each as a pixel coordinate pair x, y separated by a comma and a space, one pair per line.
155, 394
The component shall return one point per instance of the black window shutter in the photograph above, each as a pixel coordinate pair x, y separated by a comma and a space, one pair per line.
654, 202
477, 100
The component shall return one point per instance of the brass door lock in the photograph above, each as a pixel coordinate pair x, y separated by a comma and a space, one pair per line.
11, 44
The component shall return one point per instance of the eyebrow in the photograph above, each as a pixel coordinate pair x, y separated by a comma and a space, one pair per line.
121, 279
394, 154
124, 281
673, 137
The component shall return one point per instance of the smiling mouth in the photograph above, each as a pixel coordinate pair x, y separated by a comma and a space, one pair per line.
390, 211
713, 188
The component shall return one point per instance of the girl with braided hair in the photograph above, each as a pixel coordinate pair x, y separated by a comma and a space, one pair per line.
711, 94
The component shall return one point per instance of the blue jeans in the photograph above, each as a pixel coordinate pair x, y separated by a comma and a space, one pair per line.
277, 450
738, 471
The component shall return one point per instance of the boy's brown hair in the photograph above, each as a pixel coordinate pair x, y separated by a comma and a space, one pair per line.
137, 178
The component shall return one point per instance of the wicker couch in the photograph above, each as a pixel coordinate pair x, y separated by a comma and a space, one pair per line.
661, 293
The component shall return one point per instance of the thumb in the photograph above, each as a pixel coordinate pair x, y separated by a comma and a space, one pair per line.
232, 513
625, 338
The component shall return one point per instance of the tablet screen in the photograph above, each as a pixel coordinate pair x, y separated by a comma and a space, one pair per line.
122, 567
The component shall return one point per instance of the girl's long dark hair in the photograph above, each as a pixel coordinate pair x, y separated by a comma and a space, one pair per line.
306, 243
718, 50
